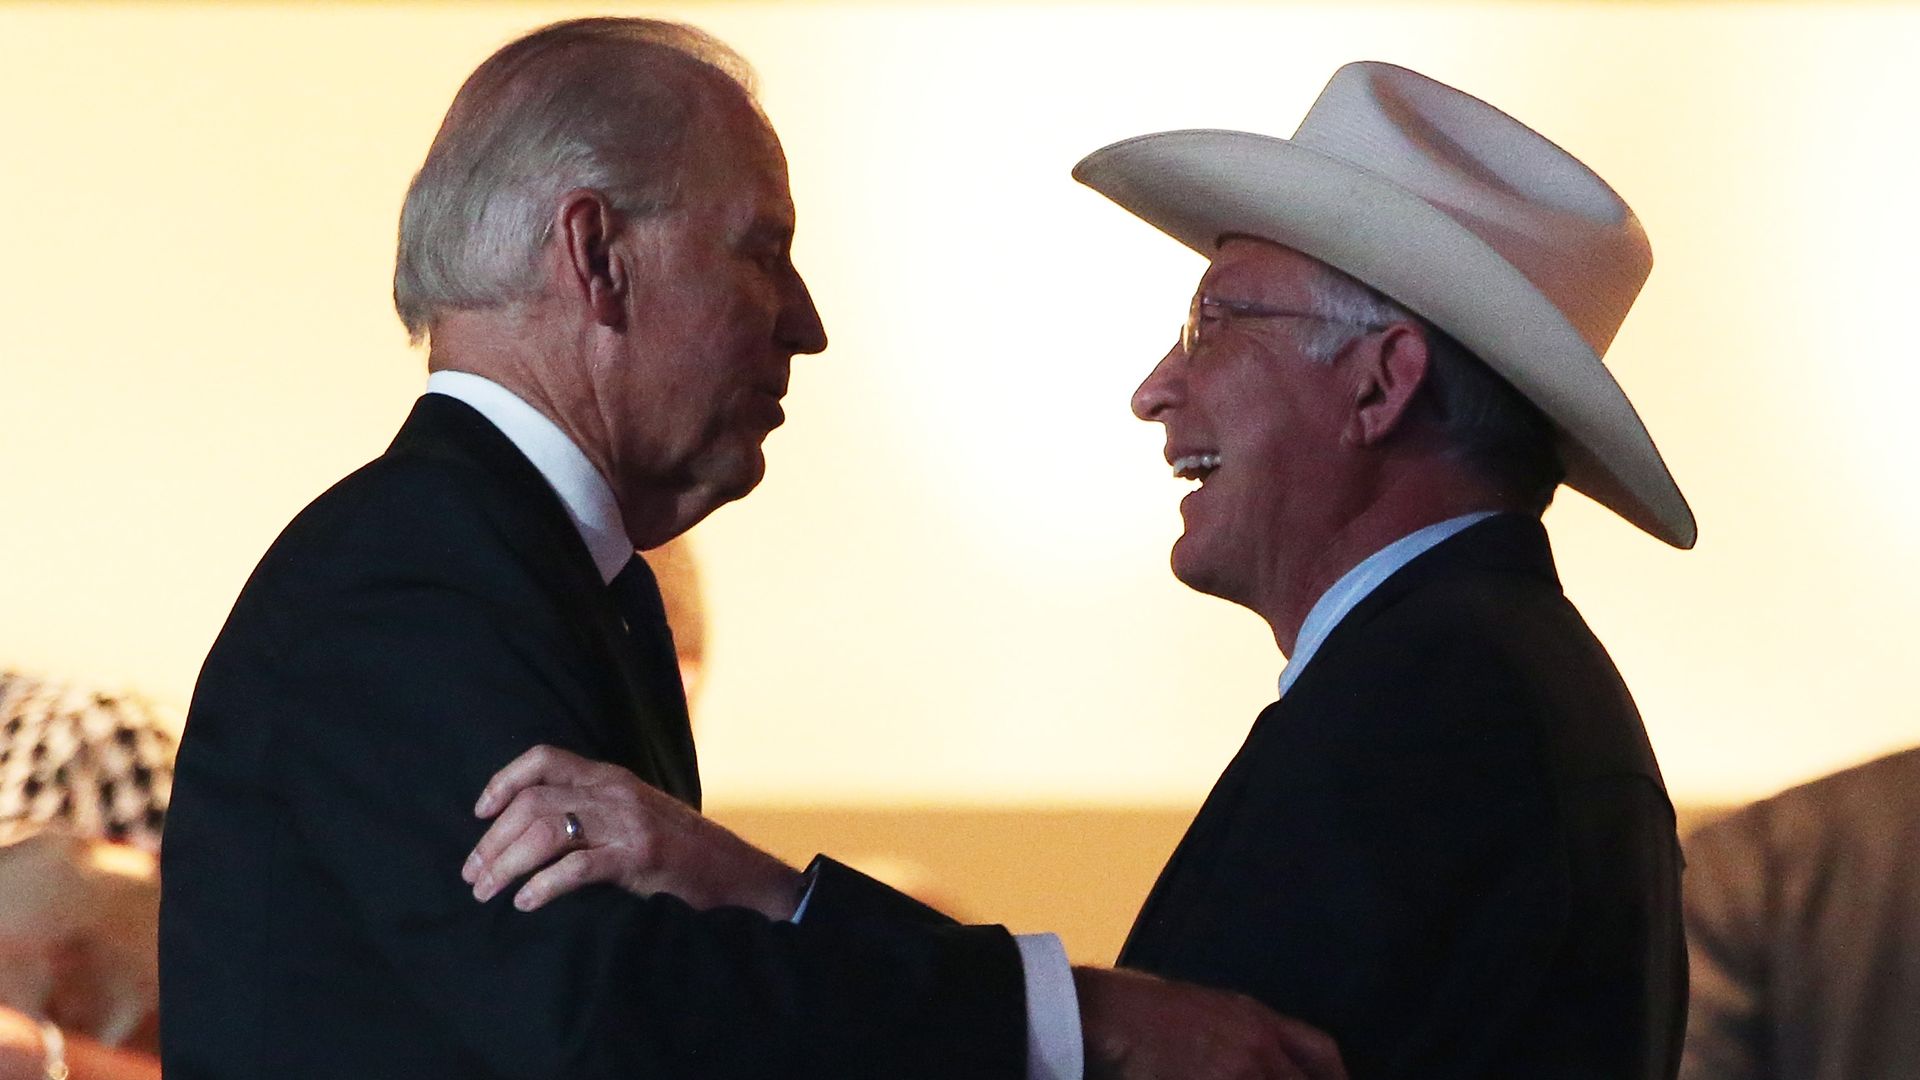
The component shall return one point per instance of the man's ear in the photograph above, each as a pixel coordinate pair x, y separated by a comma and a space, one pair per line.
597, 274
1388, 378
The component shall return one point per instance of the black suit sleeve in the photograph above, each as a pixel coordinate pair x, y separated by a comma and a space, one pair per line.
837, 893
406, 670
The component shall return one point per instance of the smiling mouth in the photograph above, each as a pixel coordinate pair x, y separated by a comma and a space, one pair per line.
1195, 466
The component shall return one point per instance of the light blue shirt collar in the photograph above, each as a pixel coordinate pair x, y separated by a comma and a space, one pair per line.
1355, 585
583, 491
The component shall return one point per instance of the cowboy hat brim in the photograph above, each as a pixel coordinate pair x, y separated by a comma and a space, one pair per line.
1200, 186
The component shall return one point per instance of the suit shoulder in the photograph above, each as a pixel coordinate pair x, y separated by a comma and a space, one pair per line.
1481, 609
417, 501
1489, 650
1464, 630
434, 491
1505, 629
422, 518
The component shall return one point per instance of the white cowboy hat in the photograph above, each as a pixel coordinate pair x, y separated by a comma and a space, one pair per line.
1461, 213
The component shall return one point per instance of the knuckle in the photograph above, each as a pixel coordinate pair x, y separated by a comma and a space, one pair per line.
520, 813
594, 866
647, 850
506, 824
569, 870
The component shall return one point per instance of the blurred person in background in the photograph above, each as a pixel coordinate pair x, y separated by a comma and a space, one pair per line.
1803, 931
84, 783
597, 252
1448, 843
678, 572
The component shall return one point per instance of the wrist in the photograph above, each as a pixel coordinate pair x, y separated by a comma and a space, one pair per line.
782, 892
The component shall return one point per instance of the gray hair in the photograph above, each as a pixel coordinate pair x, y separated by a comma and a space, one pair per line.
1483, 419
600, 103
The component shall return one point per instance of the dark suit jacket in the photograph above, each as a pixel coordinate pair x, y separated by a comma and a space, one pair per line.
1448, 844
418, 626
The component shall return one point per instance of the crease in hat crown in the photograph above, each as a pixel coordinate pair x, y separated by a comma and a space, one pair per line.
1461, 213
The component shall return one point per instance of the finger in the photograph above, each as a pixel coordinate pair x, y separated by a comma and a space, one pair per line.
581, 868
1264, 1040
1276, 1064
1314, 1050
1266, 1061
1266, 1058
527, 807
541, 765
539, 844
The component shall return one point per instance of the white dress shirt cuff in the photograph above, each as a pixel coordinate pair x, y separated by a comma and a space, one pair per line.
806, 897
1054, 1047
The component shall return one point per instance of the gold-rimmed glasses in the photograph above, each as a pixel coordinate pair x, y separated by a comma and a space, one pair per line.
1207, 310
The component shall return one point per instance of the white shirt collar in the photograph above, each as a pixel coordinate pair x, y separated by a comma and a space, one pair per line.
583, 491
1357, 583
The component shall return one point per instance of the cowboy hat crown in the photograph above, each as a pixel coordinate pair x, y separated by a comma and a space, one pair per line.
1459, 212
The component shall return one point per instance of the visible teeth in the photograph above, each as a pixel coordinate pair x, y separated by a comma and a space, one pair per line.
1195, 466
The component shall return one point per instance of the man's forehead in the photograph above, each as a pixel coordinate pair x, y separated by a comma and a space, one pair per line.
733, 146
1248, 262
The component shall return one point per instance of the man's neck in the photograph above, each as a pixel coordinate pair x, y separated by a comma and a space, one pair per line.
514, 349
585, 494
1401, 508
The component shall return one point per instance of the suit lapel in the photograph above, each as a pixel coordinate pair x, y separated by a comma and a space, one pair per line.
655, 668
1504, 543
1156, 926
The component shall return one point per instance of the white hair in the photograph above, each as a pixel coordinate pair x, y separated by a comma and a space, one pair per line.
602, 103
1347, 308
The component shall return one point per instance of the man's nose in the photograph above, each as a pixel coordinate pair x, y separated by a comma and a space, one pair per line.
800, 328
1162, 387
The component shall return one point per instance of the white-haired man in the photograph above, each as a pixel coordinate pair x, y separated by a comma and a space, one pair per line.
1448, 843
597, 250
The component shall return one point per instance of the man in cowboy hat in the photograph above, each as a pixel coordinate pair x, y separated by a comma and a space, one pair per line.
1448, 843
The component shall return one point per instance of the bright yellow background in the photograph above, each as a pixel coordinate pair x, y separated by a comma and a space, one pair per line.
952, 587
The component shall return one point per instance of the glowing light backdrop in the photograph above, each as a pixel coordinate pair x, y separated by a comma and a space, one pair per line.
952, 586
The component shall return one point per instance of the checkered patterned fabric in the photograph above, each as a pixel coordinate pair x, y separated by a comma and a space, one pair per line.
97, 764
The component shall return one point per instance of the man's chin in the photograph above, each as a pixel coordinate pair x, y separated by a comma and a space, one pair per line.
733, 479
671, 507
749, 471
1194, 568
1189, 568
